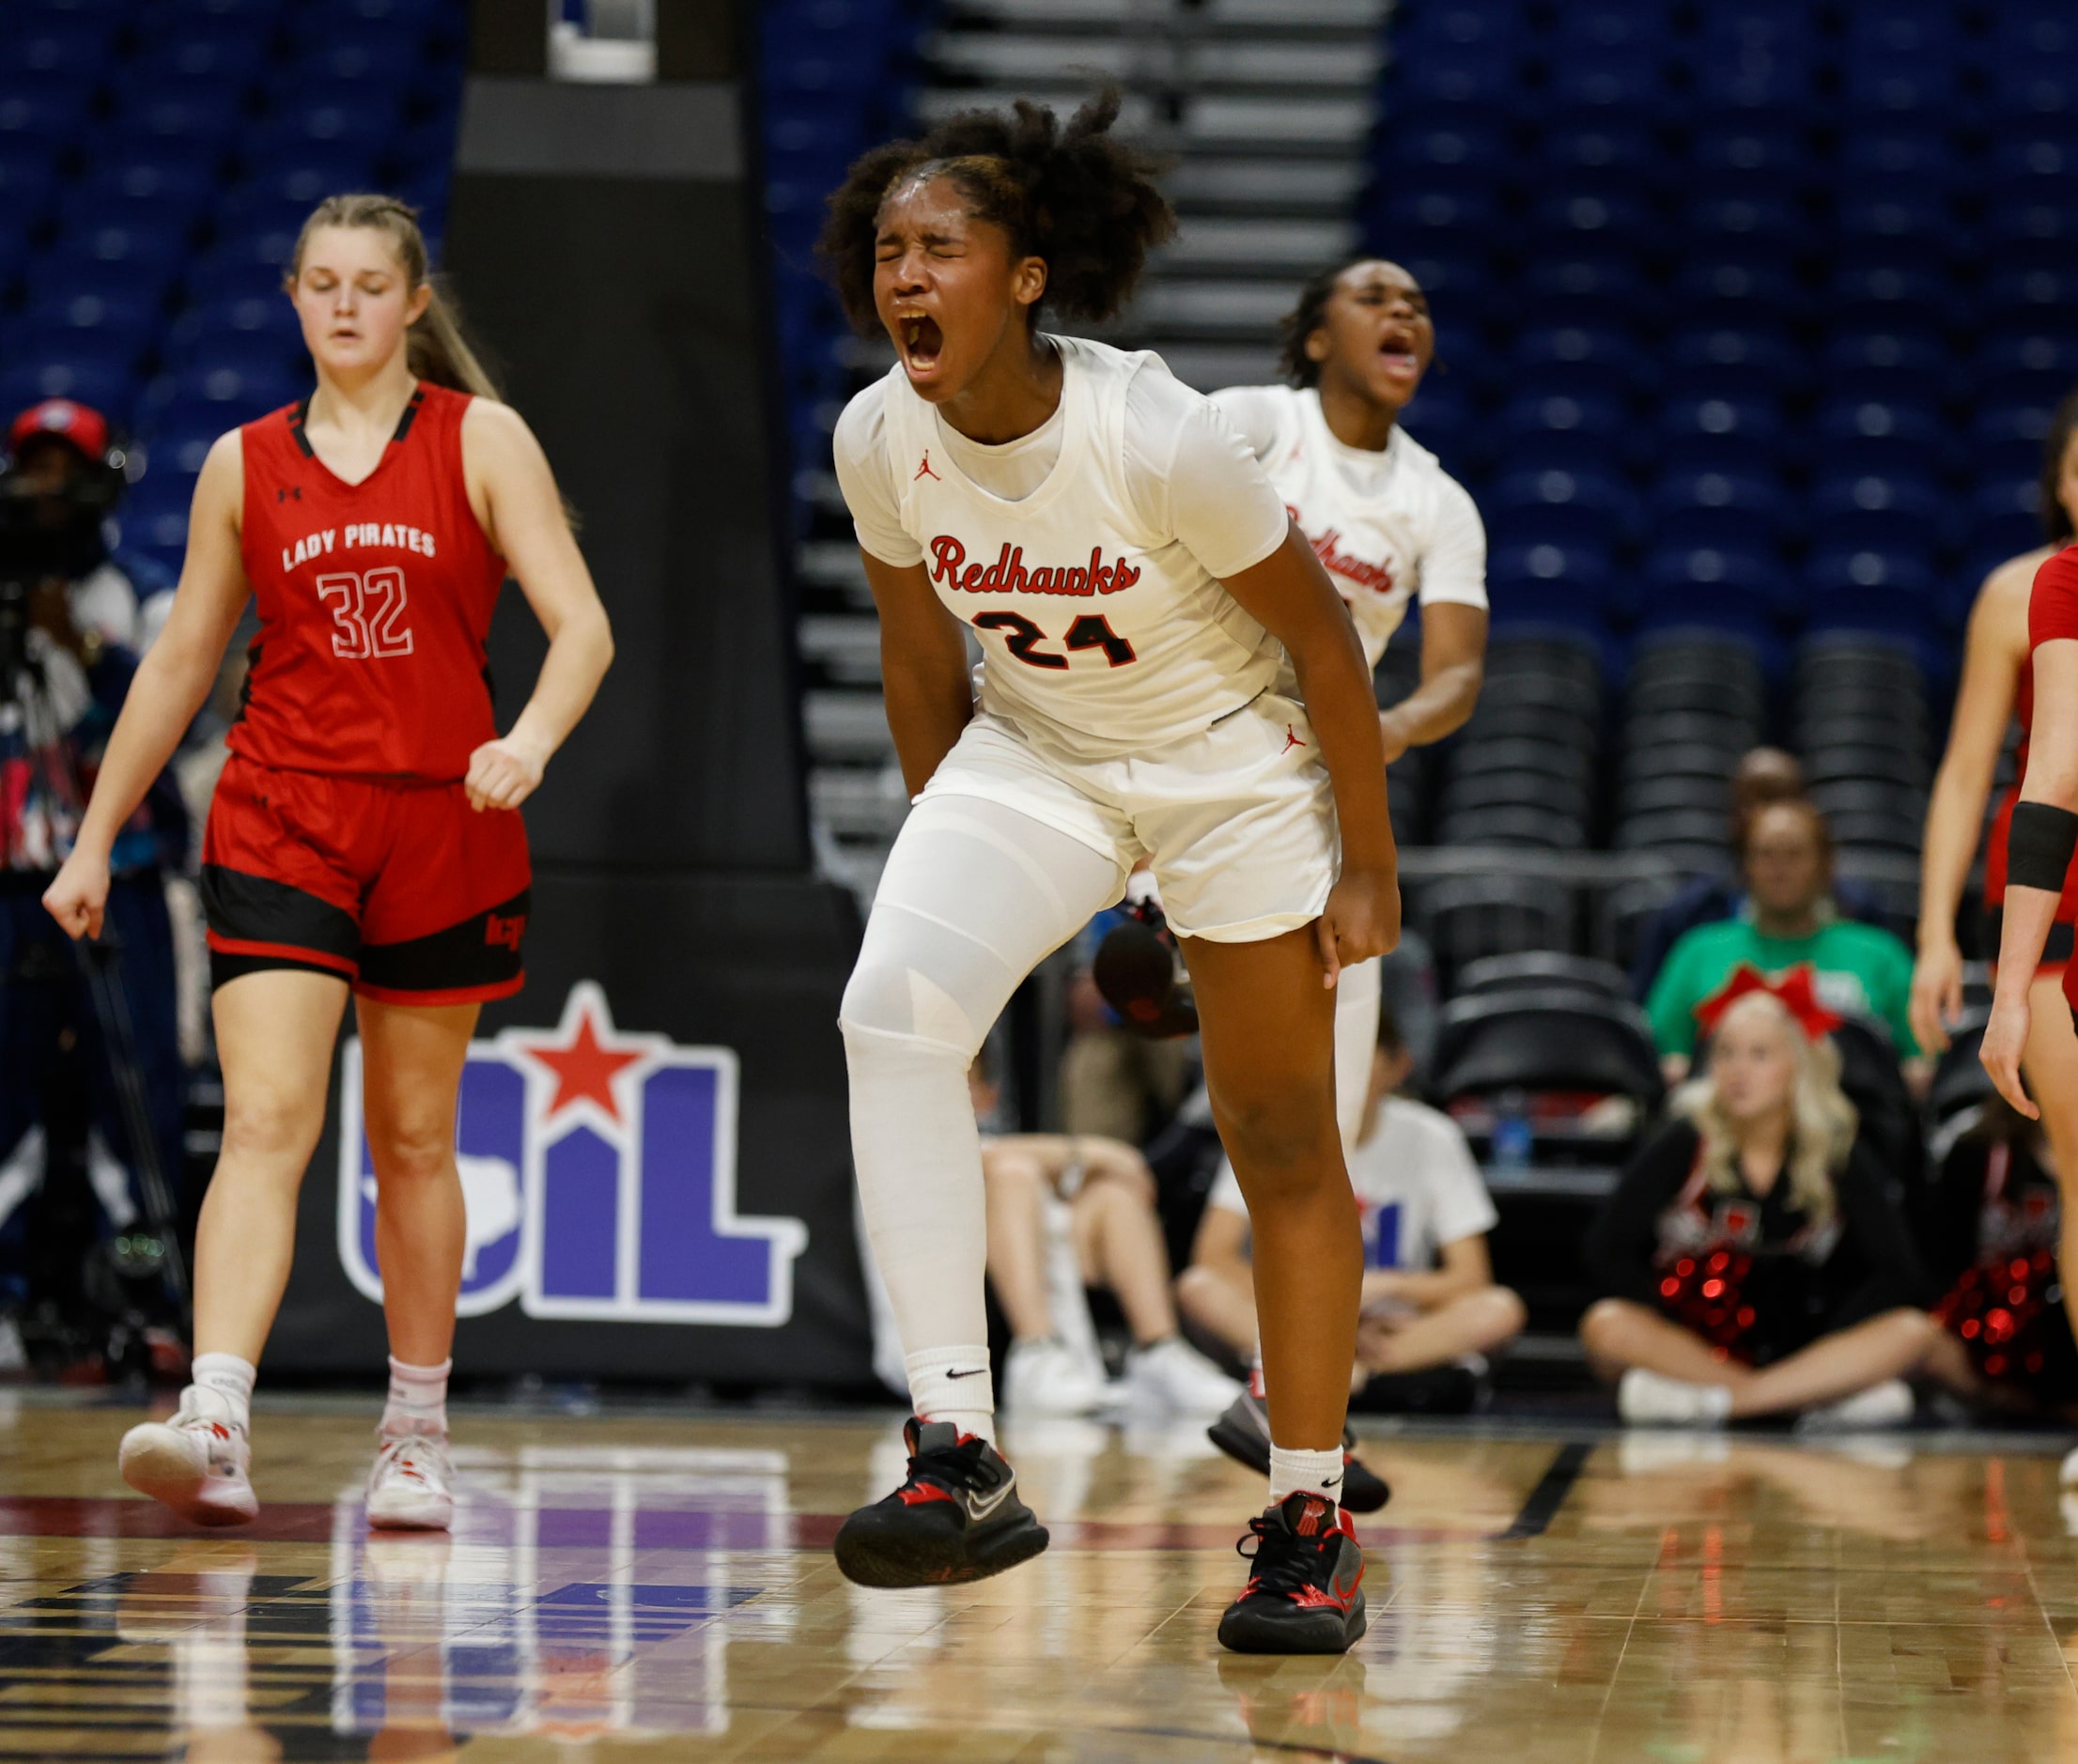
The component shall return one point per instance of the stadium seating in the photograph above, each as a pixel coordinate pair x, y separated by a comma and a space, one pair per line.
1814, 268
155, 163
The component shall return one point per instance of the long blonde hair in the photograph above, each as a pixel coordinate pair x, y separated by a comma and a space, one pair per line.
436, 347
1822, 1122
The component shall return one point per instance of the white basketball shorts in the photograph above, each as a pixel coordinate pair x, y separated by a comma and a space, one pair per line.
1239, 821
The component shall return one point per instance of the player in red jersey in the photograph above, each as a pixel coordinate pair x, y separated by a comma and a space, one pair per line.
362, 838
1998, 683
2042, 837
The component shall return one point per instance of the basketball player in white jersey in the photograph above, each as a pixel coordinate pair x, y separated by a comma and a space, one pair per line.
1389, 523
1167, 672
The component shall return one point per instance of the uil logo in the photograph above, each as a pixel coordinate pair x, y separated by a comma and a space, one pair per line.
598, 1174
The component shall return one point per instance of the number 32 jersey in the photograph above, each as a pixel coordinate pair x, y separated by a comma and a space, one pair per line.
375, 600
1102, 634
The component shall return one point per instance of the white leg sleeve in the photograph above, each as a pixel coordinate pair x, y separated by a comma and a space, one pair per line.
973, 897
1356, 995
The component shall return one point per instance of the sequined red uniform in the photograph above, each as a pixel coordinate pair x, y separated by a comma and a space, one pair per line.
2051, 613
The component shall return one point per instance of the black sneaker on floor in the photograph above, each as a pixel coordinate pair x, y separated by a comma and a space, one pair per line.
1243, 1434
1306, 1593
957, 1517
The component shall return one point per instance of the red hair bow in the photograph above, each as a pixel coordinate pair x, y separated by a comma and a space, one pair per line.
1796, 991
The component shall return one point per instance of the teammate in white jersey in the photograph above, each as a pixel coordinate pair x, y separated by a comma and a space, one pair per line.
1141, 597
1389, 524
1384, 519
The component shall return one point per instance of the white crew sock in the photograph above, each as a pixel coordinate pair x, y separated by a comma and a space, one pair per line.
954, 1384
1316, 1472
228, 1383
418, 1399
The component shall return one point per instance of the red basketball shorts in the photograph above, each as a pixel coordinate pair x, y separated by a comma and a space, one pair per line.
402, 888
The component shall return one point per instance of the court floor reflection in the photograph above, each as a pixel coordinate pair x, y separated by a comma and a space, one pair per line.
639, 1585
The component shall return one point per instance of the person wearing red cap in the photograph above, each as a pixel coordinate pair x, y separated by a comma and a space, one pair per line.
1752, 1260
70, 645
364, 840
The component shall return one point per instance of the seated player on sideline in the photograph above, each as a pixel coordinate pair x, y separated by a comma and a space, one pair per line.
1429, 1297
1067, 1211
1754, 1262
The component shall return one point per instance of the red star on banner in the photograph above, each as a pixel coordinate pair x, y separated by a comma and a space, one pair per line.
584, 1064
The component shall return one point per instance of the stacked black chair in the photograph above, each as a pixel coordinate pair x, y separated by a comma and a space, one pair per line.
1523, 770
1860, 725
1694, 705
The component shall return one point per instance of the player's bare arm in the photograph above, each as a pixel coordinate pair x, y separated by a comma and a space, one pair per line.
1454, 667
924, 668
513, 491
1995, 651
171, 683
1288, 593
2052, 781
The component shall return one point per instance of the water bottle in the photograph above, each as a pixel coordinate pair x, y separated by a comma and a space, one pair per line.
1513, 1141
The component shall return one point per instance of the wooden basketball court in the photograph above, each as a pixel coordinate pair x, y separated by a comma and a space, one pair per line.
645, 1584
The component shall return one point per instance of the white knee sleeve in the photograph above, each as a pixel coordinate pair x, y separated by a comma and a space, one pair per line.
973, 897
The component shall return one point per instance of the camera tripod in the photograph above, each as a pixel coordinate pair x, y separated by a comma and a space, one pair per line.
32, 724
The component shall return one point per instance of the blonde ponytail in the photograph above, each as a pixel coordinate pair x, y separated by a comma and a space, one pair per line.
436, 347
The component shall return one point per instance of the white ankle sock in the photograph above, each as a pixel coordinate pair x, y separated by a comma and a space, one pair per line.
955, 1384
1316, 1472
418, 1399
228, 1379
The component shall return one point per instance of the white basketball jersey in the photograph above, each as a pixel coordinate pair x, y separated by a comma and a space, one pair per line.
1099, 634
1371, 539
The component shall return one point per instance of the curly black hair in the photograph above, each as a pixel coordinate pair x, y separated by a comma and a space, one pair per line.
1305, 319
1069, 194
2056, 525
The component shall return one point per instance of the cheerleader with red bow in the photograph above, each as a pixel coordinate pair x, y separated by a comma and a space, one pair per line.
1753, 1260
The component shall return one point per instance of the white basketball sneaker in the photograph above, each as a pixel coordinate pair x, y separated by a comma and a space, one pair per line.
198, 1462
409, 1487
1645, 1398
1885, 1405
1174, 1378
1049, 1377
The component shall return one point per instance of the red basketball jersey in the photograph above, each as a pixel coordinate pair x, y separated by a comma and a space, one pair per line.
2002, 823
375, 599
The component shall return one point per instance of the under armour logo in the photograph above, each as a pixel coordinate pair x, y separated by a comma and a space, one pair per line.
923, 468
295, 490
1291, 739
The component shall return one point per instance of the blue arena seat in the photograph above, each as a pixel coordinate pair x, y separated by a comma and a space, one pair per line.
1881, 435
1881, 295
1746, 577
1873, 511
1718, 434
1574, 359
2006, 440
1712, 510
2032, 369
2006, 516
1886, 364
1725, 362
1751, 288
1588, 216
1898, 573
1568, 508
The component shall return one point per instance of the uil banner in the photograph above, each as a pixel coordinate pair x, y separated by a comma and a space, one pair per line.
654, 1163
599, 1178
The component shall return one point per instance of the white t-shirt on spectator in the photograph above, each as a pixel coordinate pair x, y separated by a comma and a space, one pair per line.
1416, 1183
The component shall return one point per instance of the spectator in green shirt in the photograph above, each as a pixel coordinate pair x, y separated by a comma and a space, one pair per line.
1857, 970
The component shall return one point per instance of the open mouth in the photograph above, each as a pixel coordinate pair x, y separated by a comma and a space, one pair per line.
921, 339
1397, 353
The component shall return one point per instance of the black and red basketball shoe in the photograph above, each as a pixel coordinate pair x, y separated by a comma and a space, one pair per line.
956, 1516
1243, 1433
1306, 1593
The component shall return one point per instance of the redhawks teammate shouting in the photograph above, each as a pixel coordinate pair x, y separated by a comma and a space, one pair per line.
363, 835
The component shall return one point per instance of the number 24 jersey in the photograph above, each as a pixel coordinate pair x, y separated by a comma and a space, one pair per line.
1101, 633
374, 601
